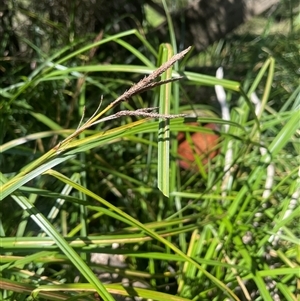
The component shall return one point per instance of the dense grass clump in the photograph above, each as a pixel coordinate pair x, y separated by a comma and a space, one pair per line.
94, 202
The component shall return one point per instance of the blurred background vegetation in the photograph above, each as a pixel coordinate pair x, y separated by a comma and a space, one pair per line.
39, 38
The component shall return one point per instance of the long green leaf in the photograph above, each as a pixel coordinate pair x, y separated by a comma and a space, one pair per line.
63, 245
163, 168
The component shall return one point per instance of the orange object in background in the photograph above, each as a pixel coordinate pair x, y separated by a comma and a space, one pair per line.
203, 145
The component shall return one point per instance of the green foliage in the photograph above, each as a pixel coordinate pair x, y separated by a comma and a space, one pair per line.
227, 231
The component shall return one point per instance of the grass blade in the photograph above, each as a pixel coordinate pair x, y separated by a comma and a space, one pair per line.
163, 169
